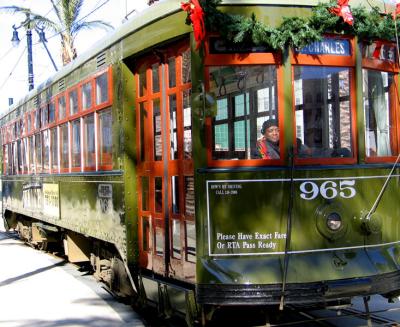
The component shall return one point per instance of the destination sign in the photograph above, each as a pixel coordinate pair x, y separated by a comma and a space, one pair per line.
328, 46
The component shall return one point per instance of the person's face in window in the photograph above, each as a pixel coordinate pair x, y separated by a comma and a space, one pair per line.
272, 134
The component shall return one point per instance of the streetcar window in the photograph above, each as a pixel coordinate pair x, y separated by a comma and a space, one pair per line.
157, 130
158, 194
105, 137
32, 155
155, 78
176, 239
323, 111
142, 82
159, 240
172, 72
186, 67
87, 95
246, 97
62, 108
145, 193
76, 143
5, 159
73, 102
46, 150
25, 156
145, 234
19, 157
143, 140
38, 146
190, 241
29, 122
189, 196
45, 115
173, 128
102, 88
52, 112
54, 149
379, 101
37, 119
64, 160
89, 141
175, 194
187, 125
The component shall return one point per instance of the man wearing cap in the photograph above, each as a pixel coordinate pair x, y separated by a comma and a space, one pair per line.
268, 145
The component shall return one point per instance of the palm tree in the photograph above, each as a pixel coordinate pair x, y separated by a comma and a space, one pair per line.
68, 23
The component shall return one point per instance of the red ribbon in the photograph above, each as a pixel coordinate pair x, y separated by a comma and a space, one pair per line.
196, 16
377, 52
343, 10
397, 10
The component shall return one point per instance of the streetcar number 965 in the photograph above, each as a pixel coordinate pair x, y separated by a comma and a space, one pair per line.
328, 190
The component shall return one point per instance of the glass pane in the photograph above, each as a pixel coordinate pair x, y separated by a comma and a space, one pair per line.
89, 141
38, 146
64, 160
156, 78
158, 194
73, 102
76, 143
189, 196
142, 82
45, 115
46, 150
379, 101
190, 241
105, 137
29, 122
159, 240
175, 194
173, 128
157, 130
32, 164
143, 144
19, 156
246, 97
176, 239
145, 193
87, 96
172, 72
186, 67
187, 125
54, 148
145, 233
25, 156
102, 88
52, 112
323, 112
62, 108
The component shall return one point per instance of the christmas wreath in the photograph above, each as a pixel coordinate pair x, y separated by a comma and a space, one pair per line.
334, 16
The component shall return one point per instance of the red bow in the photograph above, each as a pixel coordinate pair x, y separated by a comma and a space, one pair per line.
343, 10
196, 16
377, 52
397, 10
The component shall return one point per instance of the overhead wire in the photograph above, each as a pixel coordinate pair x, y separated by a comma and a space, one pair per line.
13, 69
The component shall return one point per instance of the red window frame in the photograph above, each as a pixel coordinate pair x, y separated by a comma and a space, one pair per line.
389, 67
298, 59
248, 59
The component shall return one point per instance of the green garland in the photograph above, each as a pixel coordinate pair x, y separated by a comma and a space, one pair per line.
296, 32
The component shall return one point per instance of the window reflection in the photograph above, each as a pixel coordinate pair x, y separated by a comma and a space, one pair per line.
323, 111
246, 97
378, 109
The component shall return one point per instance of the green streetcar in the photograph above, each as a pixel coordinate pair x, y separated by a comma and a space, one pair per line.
253, 165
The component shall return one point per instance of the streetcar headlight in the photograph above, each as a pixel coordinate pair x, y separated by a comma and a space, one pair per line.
334, 221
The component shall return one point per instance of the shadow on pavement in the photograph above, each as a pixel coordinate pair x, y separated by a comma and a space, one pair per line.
29, 274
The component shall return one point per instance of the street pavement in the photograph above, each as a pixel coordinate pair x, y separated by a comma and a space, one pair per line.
41, 290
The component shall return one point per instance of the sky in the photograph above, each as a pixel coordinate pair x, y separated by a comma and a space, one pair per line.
13, 61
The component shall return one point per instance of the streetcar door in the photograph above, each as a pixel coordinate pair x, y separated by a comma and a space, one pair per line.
165, 167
